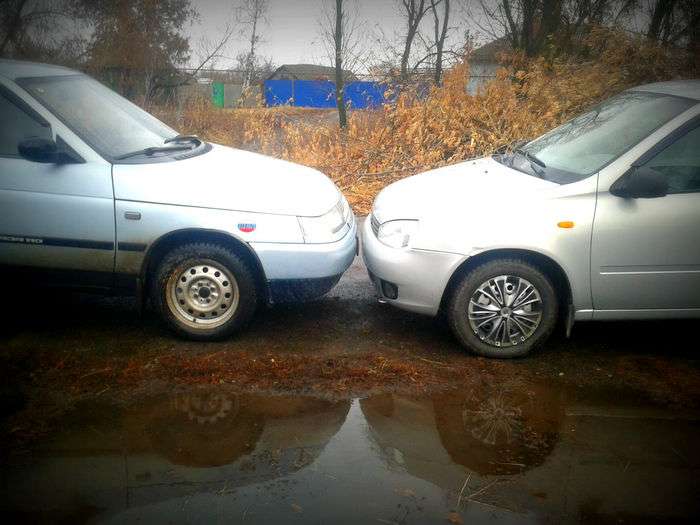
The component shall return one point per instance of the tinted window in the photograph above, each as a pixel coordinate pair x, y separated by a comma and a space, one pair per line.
680, 163
15, 126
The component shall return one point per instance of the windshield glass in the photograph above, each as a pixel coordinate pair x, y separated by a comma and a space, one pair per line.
589, 142
109, 123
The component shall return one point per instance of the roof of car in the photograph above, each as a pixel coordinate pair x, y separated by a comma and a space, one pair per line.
14, 69
679, 88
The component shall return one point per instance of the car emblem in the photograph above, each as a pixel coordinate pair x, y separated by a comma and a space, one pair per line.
246, 227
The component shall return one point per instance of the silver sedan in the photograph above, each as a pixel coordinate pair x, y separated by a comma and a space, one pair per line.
599, 219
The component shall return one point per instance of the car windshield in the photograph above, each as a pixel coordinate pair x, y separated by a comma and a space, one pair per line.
589, 142
109, 123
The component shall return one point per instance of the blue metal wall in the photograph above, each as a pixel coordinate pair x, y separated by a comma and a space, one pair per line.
314, 93
365, 94
321, 93
278, 92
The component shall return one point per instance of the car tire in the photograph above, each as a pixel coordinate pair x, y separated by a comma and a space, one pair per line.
489, 288
204, 292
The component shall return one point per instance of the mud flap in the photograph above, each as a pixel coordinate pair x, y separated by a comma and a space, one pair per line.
569, 320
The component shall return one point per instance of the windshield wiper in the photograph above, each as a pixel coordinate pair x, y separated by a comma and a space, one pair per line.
533, 161
529, 156
152, 150
183, 138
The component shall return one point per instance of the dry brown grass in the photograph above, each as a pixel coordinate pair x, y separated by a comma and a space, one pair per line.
379, 146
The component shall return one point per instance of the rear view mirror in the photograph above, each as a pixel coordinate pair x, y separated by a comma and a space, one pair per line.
44, 150
640, 183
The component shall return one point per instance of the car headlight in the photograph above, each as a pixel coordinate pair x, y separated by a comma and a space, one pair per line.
329, 226
397, 234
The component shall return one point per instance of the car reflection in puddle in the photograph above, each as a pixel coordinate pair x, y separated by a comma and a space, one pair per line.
507, 453
489, 431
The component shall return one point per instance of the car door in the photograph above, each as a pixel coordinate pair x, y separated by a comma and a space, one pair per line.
56, 220
645, 255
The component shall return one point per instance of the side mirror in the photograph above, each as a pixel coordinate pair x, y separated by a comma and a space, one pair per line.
640, 183
44, 150
38, 150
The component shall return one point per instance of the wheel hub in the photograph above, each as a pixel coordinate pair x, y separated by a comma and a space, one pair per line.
203, 295
505, 311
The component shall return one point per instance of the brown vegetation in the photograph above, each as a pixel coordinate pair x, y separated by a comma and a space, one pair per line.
528, 97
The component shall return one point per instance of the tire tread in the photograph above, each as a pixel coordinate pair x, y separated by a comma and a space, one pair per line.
244, 276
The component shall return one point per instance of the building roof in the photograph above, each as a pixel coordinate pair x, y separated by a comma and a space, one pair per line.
489, 52
679, 88
310, 72
13, 69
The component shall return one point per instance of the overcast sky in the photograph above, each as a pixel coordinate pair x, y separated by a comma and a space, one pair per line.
291, 34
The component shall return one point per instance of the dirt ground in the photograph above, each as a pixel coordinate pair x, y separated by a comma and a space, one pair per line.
340, 407
74, 348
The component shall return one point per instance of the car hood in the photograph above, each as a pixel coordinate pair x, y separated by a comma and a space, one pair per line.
229, 179
465, 187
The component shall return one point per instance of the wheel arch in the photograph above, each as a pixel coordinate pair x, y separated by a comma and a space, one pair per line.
545, 263
171, 240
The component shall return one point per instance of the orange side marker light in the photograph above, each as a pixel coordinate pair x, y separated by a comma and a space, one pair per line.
565, 224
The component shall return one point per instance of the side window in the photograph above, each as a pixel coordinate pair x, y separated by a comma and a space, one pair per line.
680, 163
16, 125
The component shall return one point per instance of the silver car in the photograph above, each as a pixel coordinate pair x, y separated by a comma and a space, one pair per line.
97, 194
599, 219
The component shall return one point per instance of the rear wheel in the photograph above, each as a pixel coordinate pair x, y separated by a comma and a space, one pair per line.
503, 308
204, 291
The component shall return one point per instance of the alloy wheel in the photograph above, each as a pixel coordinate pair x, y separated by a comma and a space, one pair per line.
505, 311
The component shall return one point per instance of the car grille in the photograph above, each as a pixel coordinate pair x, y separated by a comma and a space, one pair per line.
375, 224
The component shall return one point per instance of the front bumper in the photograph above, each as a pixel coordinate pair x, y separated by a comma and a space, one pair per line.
318, 265
420, 275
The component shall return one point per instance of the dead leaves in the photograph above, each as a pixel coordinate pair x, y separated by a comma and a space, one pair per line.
527, 98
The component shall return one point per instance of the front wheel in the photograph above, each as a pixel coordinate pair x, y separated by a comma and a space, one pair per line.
204, 291
503, 308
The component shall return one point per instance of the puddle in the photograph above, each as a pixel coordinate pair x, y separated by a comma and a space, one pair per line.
525, 453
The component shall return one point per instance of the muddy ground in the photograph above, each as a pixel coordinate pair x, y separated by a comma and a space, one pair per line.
340, 410
70, 348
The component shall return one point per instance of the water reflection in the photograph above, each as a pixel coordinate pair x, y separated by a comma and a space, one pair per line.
500, 430
209, 428
487, 429
515, 452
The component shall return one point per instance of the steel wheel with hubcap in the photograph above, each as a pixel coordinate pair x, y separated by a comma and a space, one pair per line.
204, 291
503, 308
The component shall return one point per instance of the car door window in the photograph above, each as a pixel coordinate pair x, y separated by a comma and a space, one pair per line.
680, 163
17, 125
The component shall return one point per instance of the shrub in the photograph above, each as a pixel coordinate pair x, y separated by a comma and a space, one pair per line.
528, 97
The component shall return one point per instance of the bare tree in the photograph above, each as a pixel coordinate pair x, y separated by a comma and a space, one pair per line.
530, 24
251, 14
339, 80
440, 32
257, 69
209, 50
341, 35
41, 30
661, 19
414, 11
